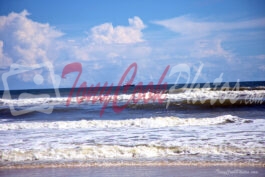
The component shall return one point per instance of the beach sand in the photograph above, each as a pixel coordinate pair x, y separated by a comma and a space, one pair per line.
137, 170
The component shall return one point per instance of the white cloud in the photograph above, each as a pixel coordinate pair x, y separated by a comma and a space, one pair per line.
4, 60
24, 40
106, 42
109, 43
204, 39
210, 48
110, 52
185, 25
108, 34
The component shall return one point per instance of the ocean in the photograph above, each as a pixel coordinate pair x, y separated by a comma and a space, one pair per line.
134, 125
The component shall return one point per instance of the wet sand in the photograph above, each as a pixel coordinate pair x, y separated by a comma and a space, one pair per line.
136, 170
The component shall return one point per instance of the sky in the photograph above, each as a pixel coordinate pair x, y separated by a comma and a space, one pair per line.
201, 41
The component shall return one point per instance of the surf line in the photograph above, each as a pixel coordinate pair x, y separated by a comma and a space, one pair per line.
149, 93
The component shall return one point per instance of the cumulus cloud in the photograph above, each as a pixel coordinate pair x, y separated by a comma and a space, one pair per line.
185, 25
106, 42
25, 41
106, 33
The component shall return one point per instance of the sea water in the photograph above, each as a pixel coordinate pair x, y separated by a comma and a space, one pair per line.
172, 124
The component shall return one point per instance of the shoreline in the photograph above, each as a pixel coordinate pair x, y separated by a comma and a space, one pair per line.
140, 170
130, 164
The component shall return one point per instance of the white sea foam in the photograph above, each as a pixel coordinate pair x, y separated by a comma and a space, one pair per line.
193, 95
156, 122
136, 138
121, 152
190, 95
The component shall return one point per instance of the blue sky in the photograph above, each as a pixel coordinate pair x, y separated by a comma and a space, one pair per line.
222, 37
